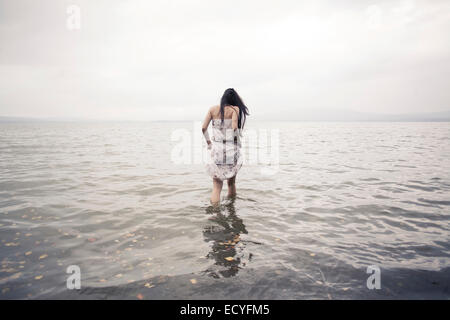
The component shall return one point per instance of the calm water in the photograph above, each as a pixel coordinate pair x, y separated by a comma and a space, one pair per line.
108, 198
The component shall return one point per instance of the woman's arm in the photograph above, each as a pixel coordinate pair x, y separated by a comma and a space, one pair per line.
234, 119
205, 127
234, 123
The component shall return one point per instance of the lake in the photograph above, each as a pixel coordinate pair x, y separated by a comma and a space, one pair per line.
128, 203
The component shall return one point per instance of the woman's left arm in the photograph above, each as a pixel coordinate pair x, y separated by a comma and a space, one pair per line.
205, 127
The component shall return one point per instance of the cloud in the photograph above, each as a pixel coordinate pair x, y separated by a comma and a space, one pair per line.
173, 59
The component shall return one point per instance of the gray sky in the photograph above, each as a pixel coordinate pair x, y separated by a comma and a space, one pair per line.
162, 60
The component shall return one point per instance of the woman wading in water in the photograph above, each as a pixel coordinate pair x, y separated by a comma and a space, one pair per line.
224, 158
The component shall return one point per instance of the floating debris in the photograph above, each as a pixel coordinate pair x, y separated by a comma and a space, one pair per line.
193, 281
39, 277
229, 258
139, 296
12, 244
148, 285
43, 256
28, 253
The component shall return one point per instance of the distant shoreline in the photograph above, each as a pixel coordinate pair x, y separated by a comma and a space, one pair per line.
285, 115
38, 120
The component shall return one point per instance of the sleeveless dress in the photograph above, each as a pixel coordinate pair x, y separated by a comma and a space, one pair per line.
224, 158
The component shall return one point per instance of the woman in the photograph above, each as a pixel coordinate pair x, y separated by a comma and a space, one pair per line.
225, 158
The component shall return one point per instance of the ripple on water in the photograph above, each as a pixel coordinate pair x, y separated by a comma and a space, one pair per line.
107, 197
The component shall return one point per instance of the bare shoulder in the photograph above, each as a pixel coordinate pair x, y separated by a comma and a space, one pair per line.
214, 110
235, 108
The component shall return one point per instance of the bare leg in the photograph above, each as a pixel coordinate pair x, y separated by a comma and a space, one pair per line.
232, 187
217, 188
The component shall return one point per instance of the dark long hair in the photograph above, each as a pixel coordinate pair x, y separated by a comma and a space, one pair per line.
231, 98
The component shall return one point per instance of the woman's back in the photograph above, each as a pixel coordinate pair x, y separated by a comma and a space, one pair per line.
227, 112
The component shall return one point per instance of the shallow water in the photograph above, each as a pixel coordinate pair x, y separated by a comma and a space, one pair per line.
108, 198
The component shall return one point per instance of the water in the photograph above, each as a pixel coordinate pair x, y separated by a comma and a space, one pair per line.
108, 198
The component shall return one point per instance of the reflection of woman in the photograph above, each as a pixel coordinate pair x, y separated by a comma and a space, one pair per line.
225, 158
226, 243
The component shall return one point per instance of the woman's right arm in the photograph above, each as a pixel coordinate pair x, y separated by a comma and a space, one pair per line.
234, 124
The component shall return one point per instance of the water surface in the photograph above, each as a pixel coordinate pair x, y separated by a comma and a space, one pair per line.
108, 198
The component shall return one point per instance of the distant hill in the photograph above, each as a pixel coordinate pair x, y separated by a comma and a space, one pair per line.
31, 119
434, 116
17, 119
354, 116
292, 114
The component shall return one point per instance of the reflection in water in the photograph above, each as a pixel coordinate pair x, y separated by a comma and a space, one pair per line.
227, 248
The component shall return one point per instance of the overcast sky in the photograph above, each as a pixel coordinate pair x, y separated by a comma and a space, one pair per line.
163, 60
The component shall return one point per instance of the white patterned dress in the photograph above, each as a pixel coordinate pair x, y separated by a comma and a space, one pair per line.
224, 157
